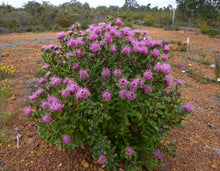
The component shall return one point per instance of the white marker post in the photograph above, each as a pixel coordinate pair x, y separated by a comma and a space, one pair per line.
173, 21
187, 49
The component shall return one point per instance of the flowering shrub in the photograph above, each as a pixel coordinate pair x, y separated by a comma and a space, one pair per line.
107, 89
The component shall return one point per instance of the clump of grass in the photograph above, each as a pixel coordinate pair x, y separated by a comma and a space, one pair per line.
6, 71
5, 117
4, 93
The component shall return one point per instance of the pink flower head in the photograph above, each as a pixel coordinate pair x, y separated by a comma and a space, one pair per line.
66, 80
70, 54
123, 82
72, 27
61, 35
75, 66
65, 93
155, 53
52, 99
123, 94
126, 50
45, 105
169, 80
148, 75
46, 66
95, 47
118, 21
139, 81
164, 57
55, 81
117, 73
83, 74
47, 118
56, 107
131, 95
82, 93
79, 41
72, 88
57, 52
106, 96
117, 35
79, 53
166, 48
27, 111
108, 37
105, 72
66, 139
179, 82
48, 74
159, 43
159, 154
93, 36
148, 89
33, 97
143, 50
145, 32
113, 49
157, 67
39, 91
165, 68
41, 80
102, 159
133, 85
128, 150
188, 107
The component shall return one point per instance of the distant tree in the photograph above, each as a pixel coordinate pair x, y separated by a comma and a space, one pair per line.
131, 4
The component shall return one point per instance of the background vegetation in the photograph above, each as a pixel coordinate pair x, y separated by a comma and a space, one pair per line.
38, 17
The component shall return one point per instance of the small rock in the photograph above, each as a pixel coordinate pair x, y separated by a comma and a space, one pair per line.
17, 129
85, 164
198, 87
30, 141
29, 135
210, 125
6, 54
173, 154
12, 97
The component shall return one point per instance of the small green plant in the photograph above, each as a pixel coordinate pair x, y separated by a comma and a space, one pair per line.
183, 49
217, 64
4, 93
6, 71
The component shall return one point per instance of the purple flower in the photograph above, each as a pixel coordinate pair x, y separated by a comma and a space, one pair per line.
133, 85
117, 73
155, 53
128, 150
79, 53
65, 93
73, 88
159, 154
139, 81
55, 81
165, 68
179, 82
123, 82
117, 35
113, 49
41, 80
145, 32
57, 52
148, 75
75, 66
82, 93
157, 67
33, 97
93, 36
166, 48
123, 94
66, 139
45, 105
79, 41
47, 118
48, 74
46, 66
188, 107
126, 50
66, 80
102, 159
108, 37
94, 47
164, 57
105, 72
131, 95
69, 54
118, 21
159, 43
56, 107
106, 96
27, 111
83, 74
61, 35
169, 80
148, 89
